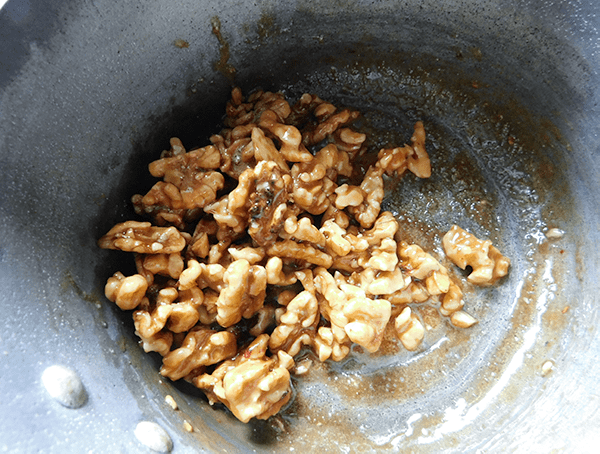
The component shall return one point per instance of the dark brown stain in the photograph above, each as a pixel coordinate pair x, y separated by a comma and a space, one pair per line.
223, 65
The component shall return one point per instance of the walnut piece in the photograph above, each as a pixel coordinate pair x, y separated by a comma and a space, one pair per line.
251, 385
201, 347
126, 292
297, 326
465, 249
243, 293
142, 237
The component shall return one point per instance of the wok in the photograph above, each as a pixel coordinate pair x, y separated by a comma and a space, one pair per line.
91, 91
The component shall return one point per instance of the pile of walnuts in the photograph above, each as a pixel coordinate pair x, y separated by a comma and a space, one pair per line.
260, 246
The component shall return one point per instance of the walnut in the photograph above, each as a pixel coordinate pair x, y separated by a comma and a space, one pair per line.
452, 301
126, 292
149, 318
418, 263
237, 155
326, 345
292, 148
314, 180
374, 248
349, 196
164, 264
329, 124
160, 342
409, 329
297, 326
414, 157
187, 172
352, 314
243, 293
461, 319
259, 201
394, 161
265, 150
372, 185
275, 274
376, 282
334, 238
464, 249
252, 255
201, 347
292, 250
251, 385
142, 237
302, 231
177, 148
287, 219
349, 141
268, 203
164, 204
419, 163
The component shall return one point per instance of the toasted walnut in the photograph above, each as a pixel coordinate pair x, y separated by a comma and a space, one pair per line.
347, 196
376, 282
464, 249
164, 264
349, 141
187, 172
372, 185
410, 332
314, 180
275, 274
302, 230
126, 292
419, 163
335, 240
252, 385
265, 150
292, 148
179, 166
177, 148
268, 203
374, 248
414, 292
240, 113
352, 314
236, 155
189, 276
201, 347
251, 254
326, 345
287, 219
418, 263
452, 300
297, 326
142, 237
164, 204
394, 161
462, 320
292, 250
414, 157
329, 124
149, 318
160, 342
243, 293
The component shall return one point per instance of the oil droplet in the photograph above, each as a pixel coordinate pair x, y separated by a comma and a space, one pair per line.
65, 386
153, 436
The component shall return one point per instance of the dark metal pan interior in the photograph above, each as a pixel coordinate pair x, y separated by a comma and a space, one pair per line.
508, 92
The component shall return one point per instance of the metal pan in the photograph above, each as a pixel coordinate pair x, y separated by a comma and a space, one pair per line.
90, 92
